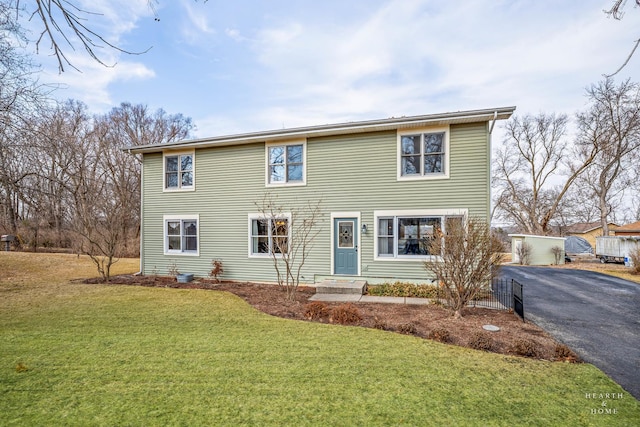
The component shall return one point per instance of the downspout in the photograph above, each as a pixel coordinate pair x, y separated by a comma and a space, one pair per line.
141, 217
493, 123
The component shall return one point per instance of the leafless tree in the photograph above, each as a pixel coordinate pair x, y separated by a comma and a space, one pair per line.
634, 208
64, 24
133, 124
48, 154
528, 167
65, 177
470, 257
634, 257
99, 212
558, 254
130, 125
616, 12
293, 230
21, 99
523, 253
575, 207
107, 179
611, 125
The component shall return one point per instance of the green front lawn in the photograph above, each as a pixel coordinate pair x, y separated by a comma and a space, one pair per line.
74, 354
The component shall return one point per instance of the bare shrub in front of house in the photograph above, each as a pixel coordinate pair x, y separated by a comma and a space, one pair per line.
172, 269
290, 232
526, 348
523, 252
381, 324
481, 341
470, 256
216, 270
634, 257
440, 335
408, 328
558, 254
564, 353
345, 314
316, 310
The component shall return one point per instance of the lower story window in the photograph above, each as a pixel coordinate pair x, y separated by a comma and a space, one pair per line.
269, 236
409, 236
181, 235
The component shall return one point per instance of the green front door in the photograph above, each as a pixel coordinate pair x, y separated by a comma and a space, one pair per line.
345, 243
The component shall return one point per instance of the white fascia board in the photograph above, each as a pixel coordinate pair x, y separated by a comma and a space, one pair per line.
405, 122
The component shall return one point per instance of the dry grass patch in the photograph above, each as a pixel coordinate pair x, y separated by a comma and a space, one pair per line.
617, 270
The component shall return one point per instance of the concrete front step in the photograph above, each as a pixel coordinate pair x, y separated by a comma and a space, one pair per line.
330, 286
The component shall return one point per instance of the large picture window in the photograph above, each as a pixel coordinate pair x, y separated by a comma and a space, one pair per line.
423, 155
285, 164
181, 235
269, 236
179, 171
409, 236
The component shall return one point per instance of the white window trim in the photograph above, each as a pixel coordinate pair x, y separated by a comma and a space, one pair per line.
410, 213
174, 217
267, 173
166, 154
254, 216
447, 153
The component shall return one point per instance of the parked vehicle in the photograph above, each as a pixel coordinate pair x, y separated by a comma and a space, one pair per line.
616, 248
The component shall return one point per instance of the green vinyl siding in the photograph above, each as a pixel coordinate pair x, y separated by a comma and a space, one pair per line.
349, 173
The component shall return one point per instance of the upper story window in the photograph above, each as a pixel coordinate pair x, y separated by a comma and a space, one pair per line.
286, 164
423, 154
179, 171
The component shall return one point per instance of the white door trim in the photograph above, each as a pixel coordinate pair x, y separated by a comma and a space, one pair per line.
351, 214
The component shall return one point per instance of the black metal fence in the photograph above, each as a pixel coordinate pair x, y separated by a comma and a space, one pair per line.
505, 294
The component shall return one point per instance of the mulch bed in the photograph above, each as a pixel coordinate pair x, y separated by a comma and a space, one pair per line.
515, 337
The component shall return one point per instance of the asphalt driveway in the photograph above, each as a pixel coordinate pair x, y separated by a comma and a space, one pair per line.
596, 315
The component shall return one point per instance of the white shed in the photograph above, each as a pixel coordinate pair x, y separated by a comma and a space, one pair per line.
542, 250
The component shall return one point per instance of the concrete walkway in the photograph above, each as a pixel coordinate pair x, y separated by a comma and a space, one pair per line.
395, 300
369, 298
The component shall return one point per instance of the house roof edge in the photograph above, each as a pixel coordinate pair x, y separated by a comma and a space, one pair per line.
404, 122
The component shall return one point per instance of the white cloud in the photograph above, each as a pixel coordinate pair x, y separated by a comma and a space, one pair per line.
295, 64
113, 19
92, 85
412, 57
234, 34
196, 27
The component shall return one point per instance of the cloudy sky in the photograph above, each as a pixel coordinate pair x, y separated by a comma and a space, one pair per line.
253, 65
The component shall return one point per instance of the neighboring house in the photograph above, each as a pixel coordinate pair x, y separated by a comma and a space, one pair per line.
632, 229
541, 249
385, 187
588, 231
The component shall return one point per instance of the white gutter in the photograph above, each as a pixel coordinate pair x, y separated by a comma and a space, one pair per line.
335, 129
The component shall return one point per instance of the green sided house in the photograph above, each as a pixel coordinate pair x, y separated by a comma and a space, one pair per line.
385, 186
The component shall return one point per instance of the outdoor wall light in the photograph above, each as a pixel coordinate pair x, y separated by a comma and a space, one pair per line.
364, 228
